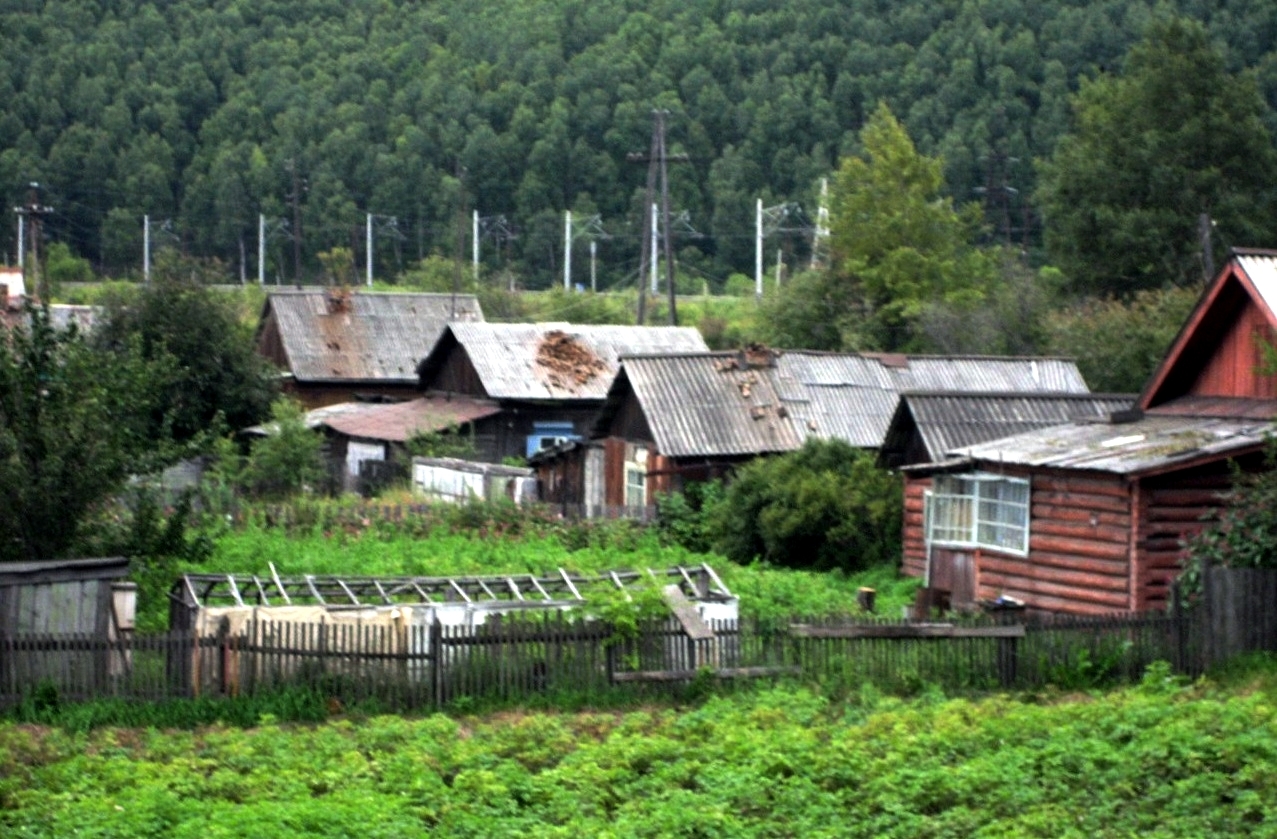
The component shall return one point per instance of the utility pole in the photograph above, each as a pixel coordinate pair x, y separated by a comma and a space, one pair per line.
368, 250
146, 248
758, 250
1204, 227
295, 197
567, 250
261, 249
35, 212
820, 238
474, 246
657, 159
22, 237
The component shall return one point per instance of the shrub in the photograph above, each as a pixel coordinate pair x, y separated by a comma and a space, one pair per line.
826, 506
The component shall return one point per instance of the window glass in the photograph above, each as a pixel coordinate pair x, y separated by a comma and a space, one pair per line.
982, 510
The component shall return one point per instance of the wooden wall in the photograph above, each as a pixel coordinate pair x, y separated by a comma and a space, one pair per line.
1079, 548
914, 538
1235, 368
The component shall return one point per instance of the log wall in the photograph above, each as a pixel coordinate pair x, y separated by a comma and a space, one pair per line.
914, 537
1079, 548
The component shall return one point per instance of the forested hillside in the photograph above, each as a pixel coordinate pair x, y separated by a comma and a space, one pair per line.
317, 112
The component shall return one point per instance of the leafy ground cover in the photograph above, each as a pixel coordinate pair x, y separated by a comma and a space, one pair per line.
764, 591
1160, 759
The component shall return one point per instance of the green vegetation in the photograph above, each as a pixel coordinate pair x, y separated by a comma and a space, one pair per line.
825, 506
211, 114
1160, 759
1175, 136
73, 427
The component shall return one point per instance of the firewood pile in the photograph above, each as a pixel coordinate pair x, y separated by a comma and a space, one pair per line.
568, 362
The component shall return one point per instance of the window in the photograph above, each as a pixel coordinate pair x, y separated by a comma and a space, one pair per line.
636, 479
549, 434
987, 511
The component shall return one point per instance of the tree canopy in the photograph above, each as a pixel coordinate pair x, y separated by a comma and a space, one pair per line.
73, 427
314, 114
1175, 135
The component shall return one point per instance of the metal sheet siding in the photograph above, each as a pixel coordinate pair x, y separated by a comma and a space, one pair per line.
505, 355
375, 337
1261, 270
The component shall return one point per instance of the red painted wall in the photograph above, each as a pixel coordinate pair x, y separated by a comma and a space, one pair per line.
1236, 367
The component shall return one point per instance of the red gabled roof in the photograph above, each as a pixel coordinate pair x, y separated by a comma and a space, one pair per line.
1219, 351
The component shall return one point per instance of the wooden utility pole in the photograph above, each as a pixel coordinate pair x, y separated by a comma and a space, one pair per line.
295, 198
33, 213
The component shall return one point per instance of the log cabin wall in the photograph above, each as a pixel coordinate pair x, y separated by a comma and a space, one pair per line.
1079, 548
1172, 509
914, 536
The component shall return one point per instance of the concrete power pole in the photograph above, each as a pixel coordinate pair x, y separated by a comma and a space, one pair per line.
146, 248
34, 212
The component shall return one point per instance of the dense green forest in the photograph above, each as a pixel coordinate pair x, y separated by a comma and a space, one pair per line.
314, 113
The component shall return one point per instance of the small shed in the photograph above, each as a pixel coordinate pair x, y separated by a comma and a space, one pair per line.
45, 604
457, 481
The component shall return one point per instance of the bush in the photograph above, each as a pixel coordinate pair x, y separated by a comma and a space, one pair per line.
826, 506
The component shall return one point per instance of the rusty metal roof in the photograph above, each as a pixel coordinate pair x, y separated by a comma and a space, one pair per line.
396, 422
559, 361
343, 336
696, 404
1150, 444
949, 421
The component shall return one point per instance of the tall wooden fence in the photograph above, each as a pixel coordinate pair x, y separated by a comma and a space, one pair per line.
430, 666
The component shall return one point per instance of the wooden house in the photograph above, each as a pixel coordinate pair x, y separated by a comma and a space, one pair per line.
337, 345
1091, 516
549, 379
679, 417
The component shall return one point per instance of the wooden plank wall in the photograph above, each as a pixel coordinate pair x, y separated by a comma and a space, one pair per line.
1237, 367
914, 538
1079, 556
1173, 508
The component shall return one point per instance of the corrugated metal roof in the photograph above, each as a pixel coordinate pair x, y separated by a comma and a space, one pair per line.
1146, 445
363, 337
695, 406
949, 421
396, 422
1261, 269
580, 361
988, 374
705, 404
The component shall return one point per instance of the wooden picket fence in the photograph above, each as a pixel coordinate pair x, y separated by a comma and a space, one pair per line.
510, 659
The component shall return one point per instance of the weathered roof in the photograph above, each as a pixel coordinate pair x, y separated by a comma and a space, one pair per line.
704, 404
948, 421
1150, 444
331, 336
396, 422
62, 570
1231, 407
1261, 268
536, 361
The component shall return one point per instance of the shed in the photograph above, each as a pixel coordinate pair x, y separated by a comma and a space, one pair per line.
458, 481
46, 604
1091, 516
337, 345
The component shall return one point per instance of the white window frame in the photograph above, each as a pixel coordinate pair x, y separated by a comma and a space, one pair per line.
980, 510
636, 490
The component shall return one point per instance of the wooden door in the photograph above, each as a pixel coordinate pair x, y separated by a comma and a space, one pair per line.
953, 570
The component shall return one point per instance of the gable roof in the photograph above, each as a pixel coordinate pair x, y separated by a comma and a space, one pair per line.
948, 421
551, 361
705, 404
332, 337
392, 422
1240, 302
